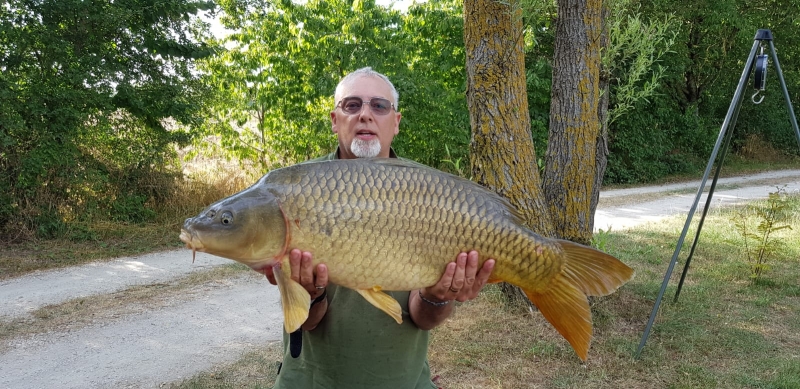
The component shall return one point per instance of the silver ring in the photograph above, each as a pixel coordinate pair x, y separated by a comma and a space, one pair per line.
319, 287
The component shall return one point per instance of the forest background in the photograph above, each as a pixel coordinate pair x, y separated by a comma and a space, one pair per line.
103, 103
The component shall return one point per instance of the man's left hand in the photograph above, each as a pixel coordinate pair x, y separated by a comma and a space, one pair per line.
462, 279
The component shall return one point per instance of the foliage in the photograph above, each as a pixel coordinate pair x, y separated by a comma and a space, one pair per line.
601, 238
630, 61
770, 218
653, 143
275, 82
454, 165
87, 88
701, 73
539, 24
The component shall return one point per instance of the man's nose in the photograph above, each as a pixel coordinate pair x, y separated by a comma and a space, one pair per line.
366, 114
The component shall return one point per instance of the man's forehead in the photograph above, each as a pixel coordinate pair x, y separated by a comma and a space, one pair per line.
366, 87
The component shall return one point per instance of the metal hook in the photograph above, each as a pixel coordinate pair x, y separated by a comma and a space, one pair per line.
753, 98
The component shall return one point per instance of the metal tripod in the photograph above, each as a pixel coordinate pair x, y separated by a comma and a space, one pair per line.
721, 147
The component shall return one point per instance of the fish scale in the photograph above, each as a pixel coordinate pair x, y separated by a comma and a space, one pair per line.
388, 224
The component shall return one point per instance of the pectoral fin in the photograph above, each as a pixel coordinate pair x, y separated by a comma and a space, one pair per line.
295, 299
383, 301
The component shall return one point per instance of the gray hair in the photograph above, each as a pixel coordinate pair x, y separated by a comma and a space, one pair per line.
366, 72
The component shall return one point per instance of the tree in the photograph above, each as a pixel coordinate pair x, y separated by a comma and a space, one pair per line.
501, 151
87, 88
276, 81
574, 125
275, 94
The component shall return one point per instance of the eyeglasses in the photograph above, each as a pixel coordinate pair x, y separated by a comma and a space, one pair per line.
352, 105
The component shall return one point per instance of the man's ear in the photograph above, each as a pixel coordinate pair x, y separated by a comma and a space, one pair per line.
397, 123
333, 122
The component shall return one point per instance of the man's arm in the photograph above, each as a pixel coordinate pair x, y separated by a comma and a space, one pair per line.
462, 281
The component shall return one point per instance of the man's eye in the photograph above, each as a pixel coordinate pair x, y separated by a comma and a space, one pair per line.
381, 104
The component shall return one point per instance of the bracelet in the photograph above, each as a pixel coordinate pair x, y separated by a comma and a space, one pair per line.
434, 303
319, 298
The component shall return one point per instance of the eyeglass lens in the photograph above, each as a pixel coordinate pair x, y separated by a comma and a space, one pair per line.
352, 105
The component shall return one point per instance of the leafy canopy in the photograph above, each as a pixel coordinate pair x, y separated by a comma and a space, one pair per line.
87, 88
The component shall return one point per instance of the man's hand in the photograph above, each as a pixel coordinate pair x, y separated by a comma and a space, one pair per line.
462, 280
314, 280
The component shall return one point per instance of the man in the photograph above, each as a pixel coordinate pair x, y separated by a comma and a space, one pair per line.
347, 342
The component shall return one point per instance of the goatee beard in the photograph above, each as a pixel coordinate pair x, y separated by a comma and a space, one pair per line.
365, 148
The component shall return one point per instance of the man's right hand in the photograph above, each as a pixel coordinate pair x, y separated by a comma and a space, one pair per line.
314, 280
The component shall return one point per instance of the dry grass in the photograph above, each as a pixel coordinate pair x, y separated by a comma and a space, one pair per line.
255, 369
107, 240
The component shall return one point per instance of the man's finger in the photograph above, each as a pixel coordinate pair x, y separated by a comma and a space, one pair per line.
306, 270
440, 289
484, 273
471, 269
322, 276
294, 262
458, 277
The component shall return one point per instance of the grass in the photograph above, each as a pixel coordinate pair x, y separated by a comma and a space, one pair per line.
726, 331
109, 240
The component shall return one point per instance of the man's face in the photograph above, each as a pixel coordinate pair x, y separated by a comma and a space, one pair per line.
362, 134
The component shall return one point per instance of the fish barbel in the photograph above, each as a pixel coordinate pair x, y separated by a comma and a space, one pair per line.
388, 224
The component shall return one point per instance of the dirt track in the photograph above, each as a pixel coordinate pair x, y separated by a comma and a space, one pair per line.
214, 323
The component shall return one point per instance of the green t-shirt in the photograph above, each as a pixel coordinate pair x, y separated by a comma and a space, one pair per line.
358, 346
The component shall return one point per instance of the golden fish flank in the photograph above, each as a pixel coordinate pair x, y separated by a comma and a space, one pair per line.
387, 224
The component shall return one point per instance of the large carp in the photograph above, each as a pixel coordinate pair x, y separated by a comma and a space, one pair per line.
386, 224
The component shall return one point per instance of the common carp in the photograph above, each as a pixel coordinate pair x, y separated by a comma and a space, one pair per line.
388, 224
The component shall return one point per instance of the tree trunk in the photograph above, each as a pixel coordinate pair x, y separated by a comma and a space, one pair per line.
601, 150
501, 149
574, 126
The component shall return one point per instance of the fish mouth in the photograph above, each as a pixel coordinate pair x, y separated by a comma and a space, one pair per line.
192, 242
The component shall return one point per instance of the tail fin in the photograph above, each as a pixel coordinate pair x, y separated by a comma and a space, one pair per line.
592, 271
586, 272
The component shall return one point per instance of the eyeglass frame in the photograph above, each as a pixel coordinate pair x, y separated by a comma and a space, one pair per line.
368, 102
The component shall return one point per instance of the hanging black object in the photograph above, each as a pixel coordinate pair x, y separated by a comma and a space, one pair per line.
759, 76
760, 80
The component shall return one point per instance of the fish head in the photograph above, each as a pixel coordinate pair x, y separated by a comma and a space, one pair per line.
248, 227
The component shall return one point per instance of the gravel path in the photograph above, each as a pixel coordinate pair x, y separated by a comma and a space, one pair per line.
224, 320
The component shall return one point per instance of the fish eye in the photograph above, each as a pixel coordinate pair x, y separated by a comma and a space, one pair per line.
227, 218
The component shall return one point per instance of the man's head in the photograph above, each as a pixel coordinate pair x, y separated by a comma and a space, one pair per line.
363, 122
